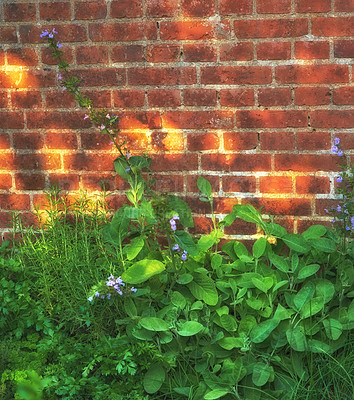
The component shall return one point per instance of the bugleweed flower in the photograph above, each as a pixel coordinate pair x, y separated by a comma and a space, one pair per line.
59, 45
334, 149
44, 33
340, 153
336, 141
97, 294
133, 289
90, 299
102, 127
173, 222
339, 208
127, 155
339, 179
60, 77
176, 247
108, 116
86, 116
184, 256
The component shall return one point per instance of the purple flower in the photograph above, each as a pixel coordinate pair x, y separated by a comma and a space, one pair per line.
326, 211
176, 247
127, 155
102, 127
173, 224
339, 208
108, 116
59, 45
333, 220
119, 292
339, 179
336, 141
60, 77
334, 149
127, 169
54, 31
133, 289
44, 33
108, 296
90, 299
63, 88
347, 228
102, 296
51, 35
340, 153
184, 256
176, 217
86, 116
97, 294
352, 220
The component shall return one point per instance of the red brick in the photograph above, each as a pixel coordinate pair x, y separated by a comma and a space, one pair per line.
65, 181
322, 204
198, 119
55, 119
5, 181
331, 26
129, 31
129, 53
164, 98
239, 227
275, 184
88, 162
236, 51
332, 119
170, 140
199, 97
346, 140
312, 96
59, 99
30, 161
202, 225
168, 183
312, 6
29, 181
312, 73
14, 202
313, 140
19, 12
161, 8
240, 140
271, 119
140, 120
344, 48
236, 162
312, 184
248, 29
272, 7
100, 76
8, 34
198, 8
277, 140
311, 50
236, 97
199, 52
239, 184
343, 95
91, 55
126, 9
162, 53
30, 99
162, 76
281, 206
90, 10
61, 140
274, 97
27, 79
3, 99
174, 162
22, 57
55, 11
100, 98
2, 57
305, 162
95, 182
229, 7
4, 141
47, 55
66, 33
344, 5
203, 141
128, 98
236, 75
134, 140
274, 51
11, 120
186, 30
28, 140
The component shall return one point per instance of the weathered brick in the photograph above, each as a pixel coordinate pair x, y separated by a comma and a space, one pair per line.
174, 162
88, 162
203, 141
273, 7
65, 181
128, 98
239, 227
91, 55
277, 140
27, 99
274, 97
312, 184
198, 119
312, 6
135, 140
140, 120
23, 56
311, 50
239, 184
130, 53
312, 73
11, 120
55, 120
95, 141
344, 5
305, 162
19, 12
100, 76
344, 48
8, 34
229, 7
240, 140
312, 96
5, 181
199, 97
332, 26
187, 30
28, 140
199, 52
90, 10
30, 161
47, 55
29, 181
236, 97
56, 140
346, 140
242, 51
343, 95
236, 75
164, 98
126, 9
271, 119
100, 98
236, 162
27, 79
95, 181
313, 140
66, 33
332, 118
169, 140
162, 76
281, 206
14, 201
162, 53
3, 99
198, 8
55, 11
161, 8
274, 51
4, 141
275, 184
59, 99
122, 31
263, 28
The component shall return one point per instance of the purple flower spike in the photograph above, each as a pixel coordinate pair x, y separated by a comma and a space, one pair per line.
127, 169
339, 179
134, 290
336, 141
86, 116
173, 224
184, 256
127, 155
60, 77
339, 208
108, 296
54, 31
90, 299
334, 149
340, 153
51, 35
63, 88
102, 127
44, 33
347, 228
59, 45
176, 247
333, 220
97, 294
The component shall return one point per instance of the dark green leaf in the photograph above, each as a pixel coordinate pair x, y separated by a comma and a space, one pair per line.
204, 186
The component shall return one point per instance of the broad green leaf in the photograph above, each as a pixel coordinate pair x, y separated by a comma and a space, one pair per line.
154, 324
129, 307
228, 322
178, 300
304, 295
275, 230
279, 262
296, 338
282, 313
324, 245
296, 242
216, 394
254, 303
165, 337
263, 284
240, 249
259, 247
197, 305
308, 270
280, 285
185, 391
204, 186
312, 307
260, 332
216, 261
261, 374
203, 288
190, 328
184, 279
142, 270
229, 343
183, 210
154, 378
132, 212
314, 232
333, 328
229, 219
205, 242
186, 242
143, 334
294, 262
248, 213
246, 324
134, 247
317, 346
325, 289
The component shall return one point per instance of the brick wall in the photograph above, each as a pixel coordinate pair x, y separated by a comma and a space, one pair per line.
249, 93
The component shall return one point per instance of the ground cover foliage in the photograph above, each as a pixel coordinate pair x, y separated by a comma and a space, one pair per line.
131, 306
